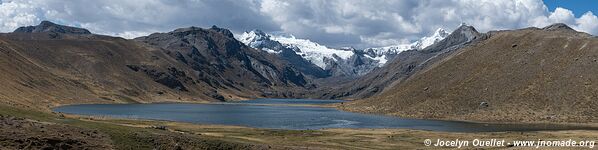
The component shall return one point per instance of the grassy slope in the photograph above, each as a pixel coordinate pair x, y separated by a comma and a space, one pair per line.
525, 75
126, 137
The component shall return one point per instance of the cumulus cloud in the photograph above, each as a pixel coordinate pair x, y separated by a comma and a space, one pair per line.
15, 14
381, 23
359, 23
588, 22
134, 17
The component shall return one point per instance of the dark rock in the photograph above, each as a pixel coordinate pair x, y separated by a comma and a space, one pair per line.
47, 26
289, 74
558, 26
223, 31
460, 37
214, 94
171, 78
158, 127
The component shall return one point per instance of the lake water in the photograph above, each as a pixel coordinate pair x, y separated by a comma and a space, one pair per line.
247, 113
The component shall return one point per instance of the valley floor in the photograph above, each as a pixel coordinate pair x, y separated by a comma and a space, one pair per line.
26, 129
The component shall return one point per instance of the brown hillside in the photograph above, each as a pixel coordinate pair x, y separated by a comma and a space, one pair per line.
527, 75
49, 65
403, 66
41, 71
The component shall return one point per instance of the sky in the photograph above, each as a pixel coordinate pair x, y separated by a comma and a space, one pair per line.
335, 23
579, 7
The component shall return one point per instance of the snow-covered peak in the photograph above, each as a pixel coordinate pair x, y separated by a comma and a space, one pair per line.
436, 37
252, 37
394, 49
424, 42
379, 53
347, 48
260, 40
312, 51
323, 56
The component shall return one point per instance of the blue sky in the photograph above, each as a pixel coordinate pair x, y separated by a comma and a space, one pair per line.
334, 23
579, 7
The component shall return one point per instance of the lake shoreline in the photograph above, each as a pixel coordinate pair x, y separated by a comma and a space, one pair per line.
530, 126
589, 125
225, 136
335, 138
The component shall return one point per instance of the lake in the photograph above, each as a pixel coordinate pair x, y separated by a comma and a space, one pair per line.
253, 114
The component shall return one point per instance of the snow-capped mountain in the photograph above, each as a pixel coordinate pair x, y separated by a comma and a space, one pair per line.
383, 54
311, 51
335, 62
260, 40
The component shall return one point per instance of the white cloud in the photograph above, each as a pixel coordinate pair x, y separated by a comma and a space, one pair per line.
379, 23
360, 23
132, 17
562, 15
588, 22
16, 14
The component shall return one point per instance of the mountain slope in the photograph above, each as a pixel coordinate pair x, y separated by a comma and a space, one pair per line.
218, 59
53, 65
526, 75
403, 66
43, 69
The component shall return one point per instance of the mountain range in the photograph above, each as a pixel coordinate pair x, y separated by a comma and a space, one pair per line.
51, 64
330, 62
524, 75
405, 65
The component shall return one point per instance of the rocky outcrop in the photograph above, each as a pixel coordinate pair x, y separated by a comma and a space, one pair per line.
460, 37
558, 26
355, 66
172, 78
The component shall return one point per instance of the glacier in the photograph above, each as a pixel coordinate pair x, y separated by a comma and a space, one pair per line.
346, 61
